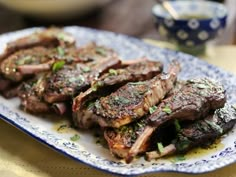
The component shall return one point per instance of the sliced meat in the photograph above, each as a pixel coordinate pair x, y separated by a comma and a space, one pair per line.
33, 56
120, 140
47, 37
194, 100
109, 82
115, 78
200, 133
133, 100
31, 93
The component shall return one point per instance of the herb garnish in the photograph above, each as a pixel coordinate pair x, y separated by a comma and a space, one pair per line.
96, 86
76, 137
101, 51
179, 158
160, 147
177, 125
167, 109
24, 60
86, 69
214, 126
112, 72
58, 65
121, 100
60, 51
152, 109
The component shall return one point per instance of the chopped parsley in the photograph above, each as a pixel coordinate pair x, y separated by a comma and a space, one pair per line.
160, 147
179, 158
177, 125
101, 51
24, 60
121, 100
76, 137
214, 126
167, 109
60, 51
112, 72
96, 86
86, 69
202, 86
62, 127
152, 109
58, 65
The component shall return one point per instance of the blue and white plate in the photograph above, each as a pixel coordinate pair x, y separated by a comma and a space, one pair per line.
86, 150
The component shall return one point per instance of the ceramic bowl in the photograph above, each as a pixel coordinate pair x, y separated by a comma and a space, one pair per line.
198, 23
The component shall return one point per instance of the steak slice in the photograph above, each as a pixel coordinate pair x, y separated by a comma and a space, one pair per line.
133, 100
121, 139
194, 100
115, 78
71, 80
31, 93
200, 133
47, 37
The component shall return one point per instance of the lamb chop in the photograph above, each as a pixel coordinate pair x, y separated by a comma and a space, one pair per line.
194, 100
107, 83
71, 80
121, 139
133, 100
48, 37
199, 133
30, 93
62, 85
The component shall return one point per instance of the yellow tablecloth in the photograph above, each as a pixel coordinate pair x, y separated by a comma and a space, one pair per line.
22, 156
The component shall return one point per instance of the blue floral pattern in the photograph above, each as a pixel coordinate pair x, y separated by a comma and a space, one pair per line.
129, 48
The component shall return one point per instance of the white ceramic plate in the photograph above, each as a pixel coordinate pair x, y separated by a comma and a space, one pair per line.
86, 150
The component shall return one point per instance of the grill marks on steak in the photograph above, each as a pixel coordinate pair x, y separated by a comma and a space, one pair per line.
133, 100
200, 133
120, 140
31, 95
48, 37
114, 78
194, 100
104, 85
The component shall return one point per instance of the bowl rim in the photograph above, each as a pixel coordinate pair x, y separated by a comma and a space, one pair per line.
189, 2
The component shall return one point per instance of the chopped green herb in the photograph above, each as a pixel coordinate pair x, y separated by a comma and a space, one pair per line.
214, 126
121, 100
177, 125
90, 105
96, 86
76, 137
183, 144
24, 60
152, 109
202, 86
61, 127
86, 69
160, 147
60, 51
179, 158
58, 65
101, 51
112, 72
167, 109
137, 83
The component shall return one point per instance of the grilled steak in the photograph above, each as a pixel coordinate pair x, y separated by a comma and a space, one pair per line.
115, 78
121, 139
31, 93
200, 133
48, 37
71, 80
194, 100
133, 100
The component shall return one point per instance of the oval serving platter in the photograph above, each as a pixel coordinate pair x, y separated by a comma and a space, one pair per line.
86, 150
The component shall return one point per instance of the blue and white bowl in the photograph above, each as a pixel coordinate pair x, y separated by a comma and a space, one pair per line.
191, 33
